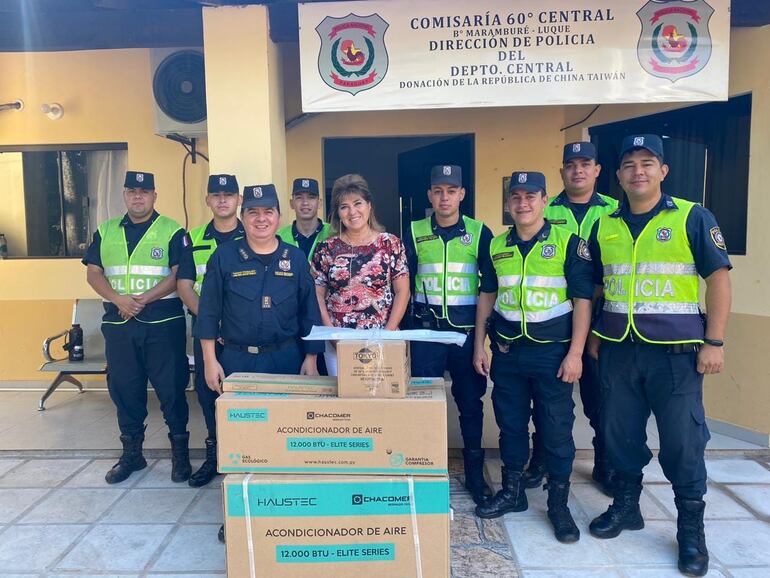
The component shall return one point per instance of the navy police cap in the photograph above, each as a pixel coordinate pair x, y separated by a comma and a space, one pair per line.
531, 181
260, 196
139, 180
222, 184
446, 175
650, 142
309, 186
579, 150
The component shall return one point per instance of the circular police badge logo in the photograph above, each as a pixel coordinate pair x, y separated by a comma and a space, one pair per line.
466, 239
716, 236
222, 180
582, 250
156, 253
548, 251
284, 265
663, 234
257, 192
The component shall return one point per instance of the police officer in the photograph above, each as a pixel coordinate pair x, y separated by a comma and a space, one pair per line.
307, 230
542, 310
222, 198
446, 252
132, 264
577, 208
654, 347
259, 296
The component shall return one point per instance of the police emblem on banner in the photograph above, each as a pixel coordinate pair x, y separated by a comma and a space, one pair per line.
284, 265
548, 251
663, 234
156, 253
675, 41
353, 56
466, 239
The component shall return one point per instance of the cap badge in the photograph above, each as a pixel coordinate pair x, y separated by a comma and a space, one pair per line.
447, 171
466, 239
222, 180
284, 265
257, 192
638, 141
548, 252
576, 147
305, 182
139, 178
522, 177
663, 234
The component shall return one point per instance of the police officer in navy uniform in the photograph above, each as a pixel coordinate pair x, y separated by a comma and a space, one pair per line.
307, 230
577, 208
259, 297
132, 265
447, 252
541, 295
222, 198
655, 349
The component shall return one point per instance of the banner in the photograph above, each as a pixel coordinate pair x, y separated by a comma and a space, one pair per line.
399, 54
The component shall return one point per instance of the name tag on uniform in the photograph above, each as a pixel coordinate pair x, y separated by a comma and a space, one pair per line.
502, 256
611, 237
426, 238
267, 302
558, 221
284, 274
250, 273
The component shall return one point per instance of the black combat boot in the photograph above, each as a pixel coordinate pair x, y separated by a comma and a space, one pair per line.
512, 498
603, 473
623, 513
564, 527
180, 457
693, 555
473, 461
130, 461
535, 472
208, 469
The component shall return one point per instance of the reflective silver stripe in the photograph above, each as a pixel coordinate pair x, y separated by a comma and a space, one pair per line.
548, 314
461, 300
200, 269
654, 308
620, 269
508, 314
469, 268
666, 269
430, 269
542, 281
508, 280
171, 296
115, 271
153, 270
432, 299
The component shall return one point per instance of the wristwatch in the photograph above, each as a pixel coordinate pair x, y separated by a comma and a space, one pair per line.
714, 342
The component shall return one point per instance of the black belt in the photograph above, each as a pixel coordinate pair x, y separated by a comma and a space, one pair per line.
672, 348
257, 349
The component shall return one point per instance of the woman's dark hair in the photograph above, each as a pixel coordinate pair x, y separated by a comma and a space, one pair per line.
351, 185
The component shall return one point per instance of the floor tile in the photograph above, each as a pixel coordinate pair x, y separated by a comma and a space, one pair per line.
92, 476
41, 473
719, 506
737, 471
582, 573
14, 501
672, 572
581, 472
480, 562
196, 575
103, 548
762, 572
206, 508
593, 502
33, 548
464, 530
654, 473
739, 543
757, 497
537, 502
79, 575
655, 544
140, 506
159, 476
72, 506
193, 548
534, 545
8, 464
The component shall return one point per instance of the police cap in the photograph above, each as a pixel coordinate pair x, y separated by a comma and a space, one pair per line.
531, 181
579, 150
446, 175
222, 184
139, 180
260, 196
309, 186
650, 142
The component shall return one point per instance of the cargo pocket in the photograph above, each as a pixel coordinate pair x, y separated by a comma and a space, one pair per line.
684, 375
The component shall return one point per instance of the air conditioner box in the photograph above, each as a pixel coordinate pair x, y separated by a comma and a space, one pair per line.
179, 91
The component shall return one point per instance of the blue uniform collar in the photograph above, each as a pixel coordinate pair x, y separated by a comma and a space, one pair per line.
513, 237
458, 227
211, 231
665, 203
245, 253
562, 199
296, 234
127, 222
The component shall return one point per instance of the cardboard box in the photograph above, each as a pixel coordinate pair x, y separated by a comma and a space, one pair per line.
372, 368
336, 526
288, 433
316, 385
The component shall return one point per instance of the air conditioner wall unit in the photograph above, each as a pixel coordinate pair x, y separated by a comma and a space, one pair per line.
179, 91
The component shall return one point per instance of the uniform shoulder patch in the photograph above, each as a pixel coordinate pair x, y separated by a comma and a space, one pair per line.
583, 251
718, 238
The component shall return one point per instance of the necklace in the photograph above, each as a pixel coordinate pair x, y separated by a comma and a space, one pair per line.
365, 241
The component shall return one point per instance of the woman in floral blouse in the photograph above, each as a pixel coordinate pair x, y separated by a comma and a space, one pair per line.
361, 275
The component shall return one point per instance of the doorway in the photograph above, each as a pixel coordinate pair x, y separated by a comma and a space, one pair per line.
398, 172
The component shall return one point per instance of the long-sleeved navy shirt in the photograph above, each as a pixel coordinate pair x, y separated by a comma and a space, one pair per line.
256, 300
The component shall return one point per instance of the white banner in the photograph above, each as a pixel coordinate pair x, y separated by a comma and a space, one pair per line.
401, 54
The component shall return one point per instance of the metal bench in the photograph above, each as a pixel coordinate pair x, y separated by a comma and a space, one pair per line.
88, 313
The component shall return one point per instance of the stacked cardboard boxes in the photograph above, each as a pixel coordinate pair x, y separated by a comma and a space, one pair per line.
324, 485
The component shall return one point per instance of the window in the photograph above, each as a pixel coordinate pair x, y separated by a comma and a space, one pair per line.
54, 196
707, 150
